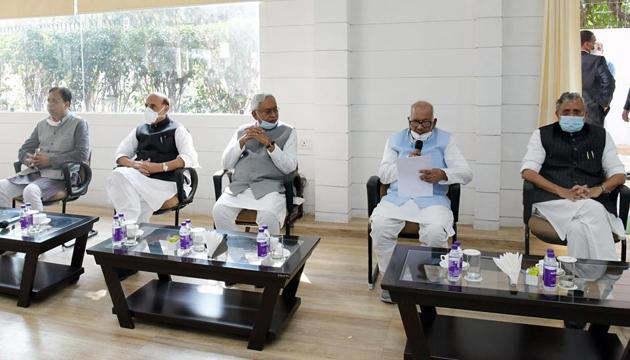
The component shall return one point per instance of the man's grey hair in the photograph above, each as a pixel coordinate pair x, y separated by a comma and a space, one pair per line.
257, 99
568, 96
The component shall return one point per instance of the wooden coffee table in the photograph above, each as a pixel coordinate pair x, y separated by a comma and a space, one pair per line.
30, 278
414, 277
260, 316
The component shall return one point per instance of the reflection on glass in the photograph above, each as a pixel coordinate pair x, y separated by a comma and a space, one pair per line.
235, 249
593, 279
13, 231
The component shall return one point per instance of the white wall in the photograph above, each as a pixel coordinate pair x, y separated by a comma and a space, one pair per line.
477, 61
344, 73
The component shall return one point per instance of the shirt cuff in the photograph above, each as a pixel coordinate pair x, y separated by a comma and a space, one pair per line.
530, 165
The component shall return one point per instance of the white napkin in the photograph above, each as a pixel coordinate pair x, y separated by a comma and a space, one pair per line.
213, 240
510, 263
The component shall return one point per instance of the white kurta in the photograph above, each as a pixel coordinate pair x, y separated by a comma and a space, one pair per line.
585, 224
436, 222
285, 159
138, 195
457, 172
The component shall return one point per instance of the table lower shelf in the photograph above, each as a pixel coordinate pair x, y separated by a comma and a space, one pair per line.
48, 276
451, 337
199, 306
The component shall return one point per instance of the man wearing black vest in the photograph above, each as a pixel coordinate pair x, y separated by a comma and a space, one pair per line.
146, 159
261, 154
573, 166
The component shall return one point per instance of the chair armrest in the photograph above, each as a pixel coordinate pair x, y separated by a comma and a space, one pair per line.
289, 181
17, 166
624, 203
454, 193
373, 193
217, 178
528, 200
68, 168
180, 179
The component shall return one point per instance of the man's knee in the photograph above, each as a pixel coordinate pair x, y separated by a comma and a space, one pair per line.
222, 213
433, 235
32, 191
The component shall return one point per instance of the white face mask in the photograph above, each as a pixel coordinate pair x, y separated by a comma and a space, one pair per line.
421, 137
150, 116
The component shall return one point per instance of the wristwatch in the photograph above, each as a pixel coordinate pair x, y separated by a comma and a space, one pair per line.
164, 167
603, 188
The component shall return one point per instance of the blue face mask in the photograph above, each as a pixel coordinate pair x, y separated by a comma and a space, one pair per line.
268, 125
571, 124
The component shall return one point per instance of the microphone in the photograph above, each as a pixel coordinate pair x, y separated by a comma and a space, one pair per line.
418, 146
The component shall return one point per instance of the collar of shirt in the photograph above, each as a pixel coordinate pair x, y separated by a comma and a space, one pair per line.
51, 122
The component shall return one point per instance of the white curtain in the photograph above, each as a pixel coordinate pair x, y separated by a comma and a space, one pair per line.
561, 62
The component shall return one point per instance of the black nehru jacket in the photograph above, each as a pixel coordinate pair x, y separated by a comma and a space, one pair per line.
573, 159
156, 142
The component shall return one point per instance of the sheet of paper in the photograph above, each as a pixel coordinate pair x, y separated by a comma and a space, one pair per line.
409, 183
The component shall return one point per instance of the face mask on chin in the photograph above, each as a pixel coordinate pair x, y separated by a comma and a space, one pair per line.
571, 124
268, 125
422, 137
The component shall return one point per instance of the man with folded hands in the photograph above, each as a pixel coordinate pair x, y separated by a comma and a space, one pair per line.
574, 165
261, 153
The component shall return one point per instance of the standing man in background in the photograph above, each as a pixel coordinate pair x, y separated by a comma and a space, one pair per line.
598, 84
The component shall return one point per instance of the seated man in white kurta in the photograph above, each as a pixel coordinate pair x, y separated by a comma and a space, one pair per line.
261, 154
574, 166
433, 213
146, 159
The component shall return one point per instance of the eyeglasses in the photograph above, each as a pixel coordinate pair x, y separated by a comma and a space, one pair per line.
424, 123
268, 112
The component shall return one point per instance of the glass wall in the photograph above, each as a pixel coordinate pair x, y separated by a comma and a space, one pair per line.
204, 58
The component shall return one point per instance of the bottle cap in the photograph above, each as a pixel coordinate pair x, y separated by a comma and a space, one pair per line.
454, 246
184, 223
261, 229
550, 253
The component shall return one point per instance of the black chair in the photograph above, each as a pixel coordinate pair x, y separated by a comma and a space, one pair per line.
375, 191
181, 200
543, 230
293, 186
76, 177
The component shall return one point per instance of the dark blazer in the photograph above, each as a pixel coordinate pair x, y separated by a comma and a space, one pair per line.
598, 86
627, 104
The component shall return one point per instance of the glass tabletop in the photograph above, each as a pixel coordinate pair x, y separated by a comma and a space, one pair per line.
53, 225
229, 248
594, 280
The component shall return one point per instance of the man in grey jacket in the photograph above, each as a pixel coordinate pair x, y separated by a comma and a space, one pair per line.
598, 84
59, 138
261, 154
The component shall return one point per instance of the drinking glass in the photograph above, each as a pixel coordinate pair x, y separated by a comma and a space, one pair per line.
567, 263
132, 232
199, 239
473, 258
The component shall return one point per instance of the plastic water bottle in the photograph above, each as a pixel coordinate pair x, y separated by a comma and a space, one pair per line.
117, 233
461, 259
23, 218
121, 220
188, 224
185, 242
261, 242
549, 271
29, 215
454, 264
267, 237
